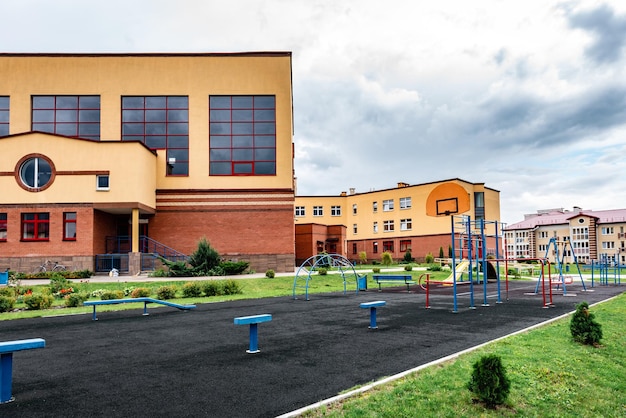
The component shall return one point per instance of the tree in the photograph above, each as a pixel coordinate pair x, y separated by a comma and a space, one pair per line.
440, 252
407, 256
363, 257
204, 259
584, 327
386, 258
489, 381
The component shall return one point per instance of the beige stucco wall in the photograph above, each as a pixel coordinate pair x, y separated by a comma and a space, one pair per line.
195, 76
365, 216
131, 167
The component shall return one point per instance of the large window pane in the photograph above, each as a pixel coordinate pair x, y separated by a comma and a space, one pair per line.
62, 115
245, 125
160, 122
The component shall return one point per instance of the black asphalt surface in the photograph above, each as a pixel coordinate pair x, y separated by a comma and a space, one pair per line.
194, 363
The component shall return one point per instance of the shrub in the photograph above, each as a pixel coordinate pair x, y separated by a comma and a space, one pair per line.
489, 381
75, 299
434, 267
429, 258
111, 294
363, 257
204, 259
191, 290
408, 267
212, 288
234, 267
386, 258
407, 256
440, 252
376, 269
322, 271
140, 292
7, 303
178, 268
38, 301
58, 283
166, 292
270, 274
231, 287
584, 327
7, 291
158, 273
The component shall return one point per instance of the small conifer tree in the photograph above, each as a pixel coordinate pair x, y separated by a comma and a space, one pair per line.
584, 327
489, 381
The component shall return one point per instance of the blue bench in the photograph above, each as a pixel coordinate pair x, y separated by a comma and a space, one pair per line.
253, 321
145, 301
7, 348
394, 278
372, 307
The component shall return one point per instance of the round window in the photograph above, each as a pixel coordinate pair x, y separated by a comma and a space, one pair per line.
35, 173
581, 220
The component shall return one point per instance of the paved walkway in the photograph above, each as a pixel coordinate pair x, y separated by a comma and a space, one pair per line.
189, 364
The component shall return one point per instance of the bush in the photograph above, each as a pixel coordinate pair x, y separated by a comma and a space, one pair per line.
58, 283
363, 257
212, 288
204, 259
231, 287
376, 269
140, 292
270, 274
407, 256
74, 300
166, 292
584, 327
408, 267
158, 273
429, 258
234, 267
7, 303
191, 290
322, 271
489, 381
36, 302
7, 291
386, 258
111, 294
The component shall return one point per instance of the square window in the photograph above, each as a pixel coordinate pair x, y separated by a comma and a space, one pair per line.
102, 182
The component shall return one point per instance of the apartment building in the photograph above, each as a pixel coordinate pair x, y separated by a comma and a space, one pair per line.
393, 220
584, 235
120, 156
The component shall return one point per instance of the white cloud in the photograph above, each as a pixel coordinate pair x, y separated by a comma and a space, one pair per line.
527, 97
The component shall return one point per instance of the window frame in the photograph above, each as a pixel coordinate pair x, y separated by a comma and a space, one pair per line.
388, 205
335, 210
160, 122
406, 224
388, 246
67, 223
38, 222
405, 245
242, 135
300, 211
388, 226
108, 181
318, 210
42, 122
405, 202
5, 115
4, 226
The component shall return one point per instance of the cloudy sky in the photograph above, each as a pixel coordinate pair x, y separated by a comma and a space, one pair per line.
528, 97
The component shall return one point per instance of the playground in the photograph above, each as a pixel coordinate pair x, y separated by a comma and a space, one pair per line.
195, 363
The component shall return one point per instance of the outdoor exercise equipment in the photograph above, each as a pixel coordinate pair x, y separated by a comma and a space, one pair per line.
605, 266
336, 265
253, 321
372, 307
559, 250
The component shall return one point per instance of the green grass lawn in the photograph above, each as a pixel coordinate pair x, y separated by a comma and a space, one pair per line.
551, 376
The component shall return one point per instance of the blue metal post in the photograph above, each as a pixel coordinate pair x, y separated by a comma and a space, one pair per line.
453, 264
498, 261
254, 339
483, 260
470, 274
373, 318
6, 376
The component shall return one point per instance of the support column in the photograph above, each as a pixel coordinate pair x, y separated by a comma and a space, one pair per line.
134, 257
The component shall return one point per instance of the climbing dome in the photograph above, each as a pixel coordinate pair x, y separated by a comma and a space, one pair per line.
336, 264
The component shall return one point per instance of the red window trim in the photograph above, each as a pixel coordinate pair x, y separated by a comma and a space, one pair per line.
36, 223
67, 221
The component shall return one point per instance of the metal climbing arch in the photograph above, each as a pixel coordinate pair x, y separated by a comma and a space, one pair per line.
336, 264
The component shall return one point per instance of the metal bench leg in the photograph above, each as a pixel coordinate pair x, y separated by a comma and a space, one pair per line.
373, 318
254, 339
6, 377
94, 317
145, 309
